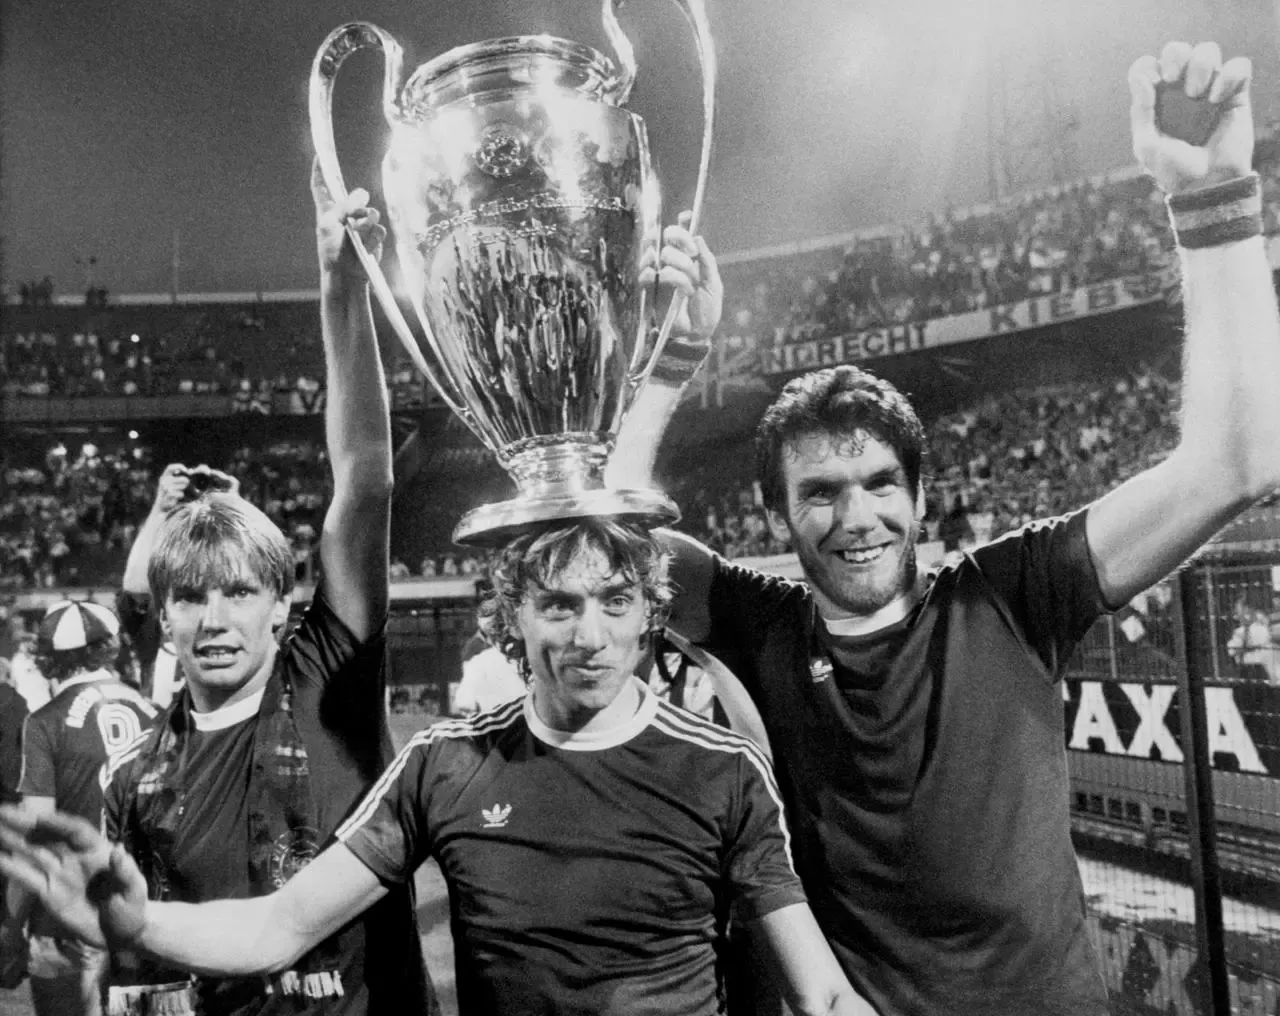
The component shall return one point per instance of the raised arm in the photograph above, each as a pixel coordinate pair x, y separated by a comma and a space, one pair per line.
177, 484
685, 265
1228, 454
355, 538
171, 490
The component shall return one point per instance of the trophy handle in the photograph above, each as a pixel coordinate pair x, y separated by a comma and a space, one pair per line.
340, 44
626, 79
696, 13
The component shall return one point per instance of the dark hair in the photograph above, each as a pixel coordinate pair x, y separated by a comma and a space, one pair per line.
203, 543
59, 665
539, 556
837, 402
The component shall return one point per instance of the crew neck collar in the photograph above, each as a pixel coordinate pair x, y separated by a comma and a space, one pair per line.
227, 716
595, 740
89, 677
890, 614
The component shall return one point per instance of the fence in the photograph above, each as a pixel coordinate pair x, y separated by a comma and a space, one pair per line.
1173, 729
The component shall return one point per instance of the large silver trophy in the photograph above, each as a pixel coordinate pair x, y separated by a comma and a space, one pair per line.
522, 203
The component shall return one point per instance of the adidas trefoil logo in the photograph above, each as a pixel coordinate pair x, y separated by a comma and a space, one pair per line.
496, 817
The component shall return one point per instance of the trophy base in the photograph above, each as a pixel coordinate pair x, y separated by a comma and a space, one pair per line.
493, 524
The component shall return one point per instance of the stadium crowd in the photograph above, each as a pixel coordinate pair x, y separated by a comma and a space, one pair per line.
1032, 244
1014, 456
1018, 455
246, 352
70, 517
1028, 245
60, 515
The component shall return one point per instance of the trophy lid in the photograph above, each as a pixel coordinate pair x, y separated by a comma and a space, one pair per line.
493, 524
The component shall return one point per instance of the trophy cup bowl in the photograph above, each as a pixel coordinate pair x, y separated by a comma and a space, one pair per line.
522, 203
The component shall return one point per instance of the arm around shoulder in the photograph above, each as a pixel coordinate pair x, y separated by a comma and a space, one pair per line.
693, 568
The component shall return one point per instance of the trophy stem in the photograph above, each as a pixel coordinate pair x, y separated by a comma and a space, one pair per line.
562, 465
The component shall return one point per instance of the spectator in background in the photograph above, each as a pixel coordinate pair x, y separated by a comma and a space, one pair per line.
1257, 654
1251, 645
303, 539
954, 529
65, 744
10, 625
489, 679
676, 678
25, 674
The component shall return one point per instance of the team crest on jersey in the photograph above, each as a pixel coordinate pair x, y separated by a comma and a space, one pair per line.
291, 852
820, 669
496, 817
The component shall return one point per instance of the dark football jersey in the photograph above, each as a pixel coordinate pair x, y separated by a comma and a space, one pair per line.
338, 700
67, 740
925, 774
587, 874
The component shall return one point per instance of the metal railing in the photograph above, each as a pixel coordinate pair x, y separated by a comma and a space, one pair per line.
1173, 730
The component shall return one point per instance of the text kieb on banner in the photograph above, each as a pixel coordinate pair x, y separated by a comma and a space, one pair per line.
911, 337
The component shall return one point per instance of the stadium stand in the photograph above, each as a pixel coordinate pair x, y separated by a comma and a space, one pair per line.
1014, 451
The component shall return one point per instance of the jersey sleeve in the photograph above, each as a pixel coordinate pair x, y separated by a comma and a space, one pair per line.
1045, 575
38, 773
325, 651
758, 865
387, 830
743, 605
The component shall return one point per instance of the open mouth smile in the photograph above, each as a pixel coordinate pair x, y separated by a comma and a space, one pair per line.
862, 555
